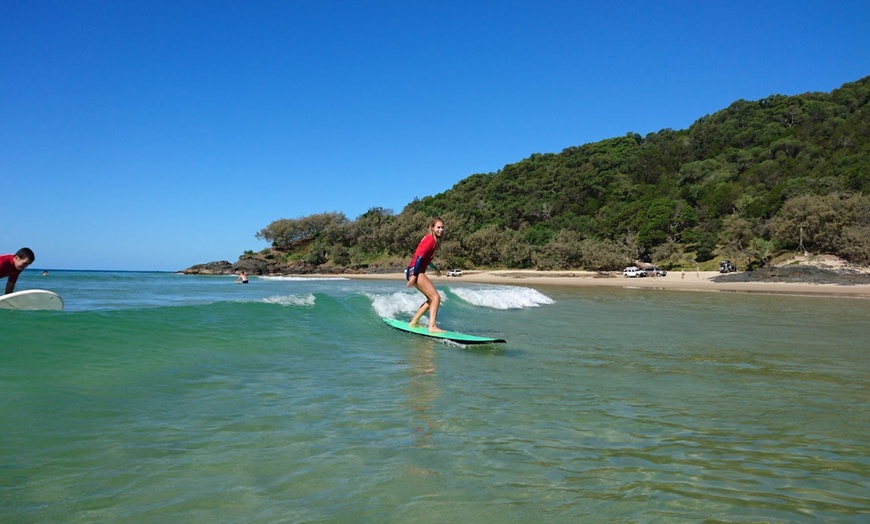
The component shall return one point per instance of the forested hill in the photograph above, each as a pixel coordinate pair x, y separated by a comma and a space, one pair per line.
753, 180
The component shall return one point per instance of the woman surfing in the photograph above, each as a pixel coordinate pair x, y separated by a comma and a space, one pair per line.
416, 274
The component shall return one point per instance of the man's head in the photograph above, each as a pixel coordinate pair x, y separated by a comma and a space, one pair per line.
23, 258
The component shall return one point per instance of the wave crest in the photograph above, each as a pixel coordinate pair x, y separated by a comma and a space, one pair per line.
502, 297
394, 304
291, 300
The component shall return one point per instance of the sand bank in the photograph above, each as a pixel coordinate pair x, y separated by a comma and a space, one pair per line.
678, 281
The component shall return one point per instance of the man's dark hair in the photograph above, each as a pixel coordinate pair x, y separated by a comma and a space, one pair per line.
26, 252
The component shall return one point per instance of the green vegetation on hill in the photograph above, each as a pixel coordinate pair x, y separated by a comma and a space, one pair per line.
747, 183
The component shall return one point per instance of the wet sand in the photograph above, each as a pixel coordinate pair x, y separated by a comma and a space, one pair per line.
677, 281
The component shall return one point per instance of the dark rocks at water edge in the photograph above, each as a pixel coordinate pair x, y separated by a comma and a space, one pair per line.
212, 268
249, 265
259, 266
798, 274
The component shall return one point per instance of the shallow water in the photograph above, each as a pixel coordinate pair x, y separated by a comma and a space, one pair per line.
163, 397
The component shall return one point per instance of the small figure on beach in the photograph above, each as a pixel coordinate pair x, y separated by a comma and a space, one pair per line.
243, 278
416, 274
12, 265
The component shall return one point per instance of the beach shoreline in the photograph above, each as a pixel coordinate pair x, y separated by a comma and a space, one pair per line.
674, 281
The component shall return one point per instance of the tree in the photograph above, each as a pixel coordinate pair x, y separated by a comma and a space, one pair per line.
562, 252
283, 233
604, 255
835, 223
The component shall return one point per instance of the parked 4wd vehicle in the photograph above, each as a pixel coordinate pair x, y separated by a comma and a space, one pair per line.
727, 267
655, 272
633, 272
454, 273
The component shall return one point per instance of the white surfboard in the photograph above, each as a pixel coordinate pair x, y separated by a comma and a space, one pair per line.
31, 299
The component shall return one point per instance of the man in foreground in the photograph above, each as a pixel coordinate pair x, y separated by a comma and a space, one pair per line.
12, 265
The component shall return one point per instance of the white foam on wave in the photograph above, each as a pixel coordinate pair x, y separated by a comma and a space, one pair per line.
502, 297
303, 279
400, 303
291, 300
395, 304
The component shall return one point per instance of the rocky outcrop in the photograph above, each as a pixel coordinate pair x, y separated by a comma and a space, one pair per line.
249, 265
212, 268
252, 265
255, 266
798, 274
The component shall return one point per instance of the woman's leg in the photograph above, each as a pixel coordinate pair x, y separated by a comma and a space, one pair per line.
433, 300
420, 312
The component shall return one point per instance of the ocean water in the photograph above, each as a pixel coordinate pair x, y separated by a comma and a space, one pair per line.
158, 397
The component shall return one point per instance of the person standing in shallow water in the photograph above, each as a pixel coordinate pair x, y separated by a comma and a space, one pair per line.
416, 274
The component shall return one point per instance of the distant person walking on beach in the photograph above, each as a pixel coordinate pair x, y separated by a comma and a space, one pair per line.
243, 278
12, 265
416, 274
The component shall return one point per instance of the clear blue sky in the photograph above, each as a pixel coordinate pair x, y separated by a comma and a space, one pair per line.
154, 135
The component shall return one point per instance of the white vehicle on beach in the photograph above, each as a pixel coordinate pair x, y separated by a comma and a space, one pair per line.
655, 272
454, 273
633, 272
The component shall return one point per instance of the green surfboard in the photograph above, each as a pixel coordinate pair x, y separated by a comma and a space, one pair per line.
453, 336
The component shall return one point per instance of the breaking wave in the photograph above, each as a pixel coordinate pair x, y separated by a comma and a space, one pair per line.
502, 297
291, 300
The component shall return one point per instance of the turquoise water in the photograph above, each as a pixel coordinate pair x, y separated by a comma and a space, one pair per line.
158, 397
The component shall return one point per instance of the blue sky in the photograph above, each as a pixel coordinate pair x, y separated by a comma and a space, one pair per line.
154, 135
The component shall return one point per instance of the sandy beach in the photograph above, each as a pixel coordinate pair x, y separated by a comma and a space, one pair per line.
674, 281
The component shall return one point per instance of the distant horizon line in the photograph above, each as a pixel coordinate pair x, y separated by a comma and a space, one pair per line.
38, 270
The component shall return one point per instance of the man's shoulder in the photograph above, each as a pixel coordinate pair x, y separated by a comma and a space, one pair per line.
7, 265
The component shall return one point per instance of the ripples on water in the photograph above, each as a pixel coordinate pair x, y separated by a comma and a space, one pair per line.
158, 397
